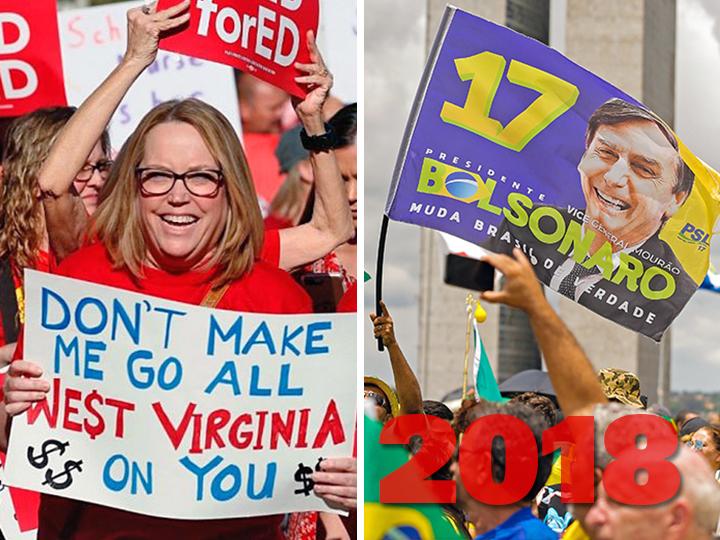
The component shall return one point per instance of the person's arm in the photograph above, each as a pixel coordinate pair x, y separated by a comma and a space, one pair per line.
66, 222
406, 383
572, 375
77, 139
331, 224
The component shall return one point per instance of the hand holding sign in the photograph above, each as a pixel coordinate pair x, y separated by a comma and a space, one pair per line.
319, 80
336, 482
189, 414
23, 386
145, 24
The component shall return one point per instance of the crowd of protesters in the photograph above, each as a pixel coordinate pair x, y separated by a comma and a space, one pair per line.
178, 213
692, 512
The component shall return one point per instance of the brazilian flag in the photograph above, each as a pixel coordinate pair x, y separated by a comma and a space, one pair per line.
396, 521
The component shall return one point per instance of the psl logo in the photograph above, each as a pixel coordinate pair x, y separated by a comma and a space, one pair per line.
694, 235
438, 178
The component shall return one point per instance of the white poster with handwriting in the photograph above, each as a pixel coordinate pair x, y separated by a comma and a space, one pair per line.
180, 411
93, 43
337, 39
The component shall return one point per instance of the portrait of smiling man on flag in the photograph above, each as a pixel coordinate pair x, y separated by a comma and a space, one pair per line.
631, 172
633, 180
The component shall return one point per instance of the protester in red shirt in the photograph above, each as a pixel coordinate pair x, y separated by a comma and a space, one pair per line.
23, 236
179, 221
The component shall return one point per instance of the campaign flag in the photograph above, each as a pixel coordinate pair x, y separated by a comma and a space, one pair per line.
180, 411
397, 521
486, 386
510, 144
261, 37
31, 74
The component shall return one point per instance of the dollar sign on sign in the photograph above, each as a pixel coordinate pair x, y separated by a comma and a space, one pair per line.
48, 447
302, 475
52, 479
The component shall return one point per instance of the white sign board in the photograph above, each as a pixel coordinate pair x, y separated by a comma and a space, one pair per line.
337, 40
8, 521
92, 41
180, 411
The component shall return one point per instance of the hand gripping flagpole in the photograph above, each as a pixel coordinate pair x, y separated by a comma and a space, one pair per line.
379, 271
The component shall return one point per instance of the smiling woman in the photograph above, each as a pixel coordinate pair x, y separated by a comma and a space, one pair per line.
208, 218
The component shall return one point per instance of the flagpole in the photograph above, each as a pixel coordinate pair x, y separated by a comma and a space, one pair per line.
468, 326
379, 271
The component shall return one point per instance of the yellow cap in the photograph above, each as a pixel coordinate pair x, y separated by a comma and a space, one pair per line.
389, 392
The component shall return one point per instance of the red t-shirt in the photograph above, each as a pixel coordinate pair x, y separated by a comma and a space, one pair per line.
348, 302
270, 251
263, 163
273, 222
264, 289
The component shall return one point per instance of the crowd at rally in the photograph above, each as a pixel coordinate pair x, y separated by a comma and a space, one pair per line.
693, 510
185, 212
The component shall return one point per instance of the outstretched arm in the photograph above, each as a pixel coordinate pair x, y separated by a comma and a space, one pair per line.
406, 383
65, 213
572, 375
331, 224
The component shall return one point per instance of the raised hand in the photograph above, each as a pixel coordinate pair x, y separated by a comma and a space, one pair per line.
23, 386
145, 24
319, 81
383, 326
522, 289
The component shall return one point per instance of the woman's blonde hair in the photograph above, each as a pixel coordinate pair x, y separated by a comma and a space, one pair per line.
117, 221
27, 144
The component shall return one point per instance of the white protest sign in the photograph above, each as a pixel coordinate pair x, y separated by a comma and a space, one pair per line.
93, 43
337, 40
180, 411
8, 521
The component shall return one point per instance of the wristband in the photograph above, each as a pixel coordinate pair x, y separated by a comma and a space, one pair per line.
319, 143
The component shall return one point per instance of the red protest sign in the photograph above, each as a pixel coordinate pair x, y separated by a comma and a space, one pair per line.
261, 37
30, 63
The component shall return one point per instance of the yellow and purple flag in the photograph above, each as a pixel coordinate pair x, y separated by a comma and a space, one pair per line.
511, 144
